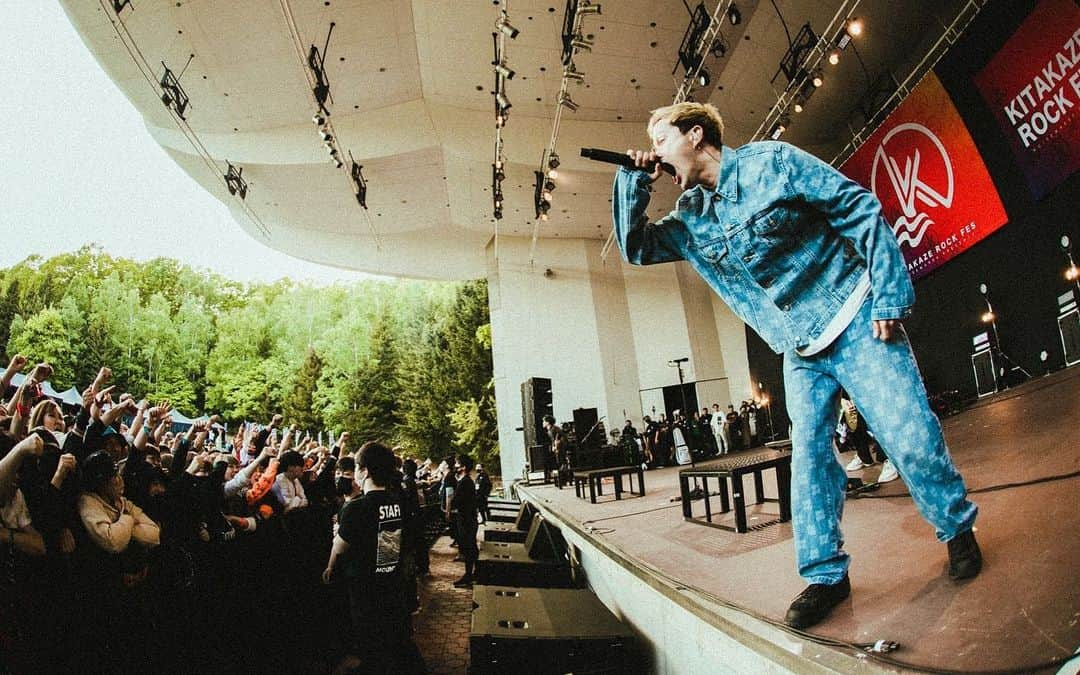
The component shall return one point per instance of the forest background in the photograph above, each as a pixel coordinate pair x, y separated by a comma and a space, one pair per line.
407, 362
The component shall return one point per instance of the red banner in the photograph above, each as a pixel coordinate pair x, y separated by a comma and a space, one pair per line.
1033, 86
933, 186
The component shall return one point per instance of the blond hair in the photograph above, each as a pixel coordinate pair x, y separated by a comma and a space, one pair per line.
687, 115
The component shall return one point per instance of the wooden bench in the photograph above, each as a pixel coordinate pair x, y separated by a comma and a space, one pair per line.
593, 479
735, 467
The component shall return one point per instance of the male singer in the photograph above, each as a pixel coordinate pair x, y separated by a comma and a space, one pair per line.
803, 255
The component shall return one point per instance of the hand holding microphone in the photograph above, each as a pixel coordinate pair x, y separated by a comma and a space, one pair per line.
633, 159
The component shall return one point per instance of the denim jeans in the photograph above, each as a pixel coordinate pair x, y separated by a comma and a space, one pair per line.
885, 384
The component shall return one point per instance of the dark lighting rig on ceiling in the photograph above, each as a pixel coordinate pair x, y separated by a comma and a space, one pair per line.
313, 62
172, 93
574, 41
802, 66
701, 39
234, 180
504, 31
168, 89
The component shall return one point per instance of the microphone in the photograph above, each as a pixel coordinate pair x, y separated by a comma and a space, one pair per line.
622, 159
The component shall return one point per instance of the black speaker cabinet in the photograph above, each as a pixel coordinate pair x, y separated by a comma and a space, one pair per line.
985, 375
536, 402
539, 562
1069, 325
586, 420
547, 631
515, 532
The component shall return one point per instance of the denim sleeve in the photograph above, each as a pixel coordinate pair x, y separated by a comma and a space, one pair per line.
641, 242
855, 213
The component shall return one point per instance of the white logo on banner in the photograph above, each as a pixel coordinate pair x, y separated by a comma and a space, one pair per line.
911, 192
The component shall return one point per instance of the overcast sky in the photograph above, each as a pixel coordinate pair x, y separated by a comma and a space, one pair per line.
78, 166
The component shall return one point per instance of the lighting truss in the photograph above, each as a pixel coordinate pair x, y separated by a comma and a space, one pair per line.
573, 43
800, 50
700, 38
357, 175
316, 61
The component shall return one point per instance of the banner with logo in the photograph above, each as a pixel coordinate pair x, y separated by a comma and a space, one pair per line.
1033, 87
930, 178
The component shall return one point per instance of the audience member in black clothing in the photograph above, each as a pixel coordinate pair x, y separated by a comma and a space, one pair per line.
483, 492
446, 496
465, 508
367, 551
414, 552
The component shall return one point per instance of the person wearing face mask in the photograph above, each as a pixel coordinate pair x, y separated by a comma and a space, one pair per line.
803, 255
367, 551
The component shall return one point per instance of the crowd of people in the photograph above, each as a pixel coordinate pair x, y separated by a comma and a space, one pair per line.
127, 545
669, 441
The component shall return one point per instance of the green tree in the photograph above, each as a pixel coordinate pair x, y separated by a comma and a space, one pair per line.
43, 338
299, 407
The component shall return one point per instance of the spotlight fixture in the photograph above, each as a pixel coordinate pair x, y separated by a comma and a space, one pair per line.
818, 79
506, 29
571, 74
854, 27
325, 136
546, 195
553, 161
585, 7
834, 57
501, 69
798, 107
549, 185
719, 46
356, 171
734, 15
234, 181
497, 172
172, 94
338, 164
503, 101
779, 128
552, 174
581, 44
703, 77
564, 100
319, 119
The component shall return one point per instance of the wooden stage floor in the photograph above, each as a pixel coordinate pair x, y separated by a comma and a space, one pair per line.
1021, 611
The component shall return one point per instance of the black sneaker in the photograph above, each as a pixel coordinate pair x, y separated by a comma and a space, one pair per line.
965, 558
464, 582
815, 603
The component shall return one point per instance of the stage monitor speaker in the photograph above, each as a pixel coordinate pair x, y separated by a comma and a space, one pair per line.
985, 373
547, 631
525, 517
1069, 325
545, 541
586, 420
536, 402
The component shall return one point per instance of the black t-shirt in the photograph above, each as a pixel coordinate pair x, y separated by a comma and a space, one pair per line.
465, 499
372, 524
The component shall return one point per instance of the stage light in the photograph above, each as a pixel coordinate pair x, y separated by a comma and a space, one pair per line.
318, 119
1066, 243
497, 172
818, 80
587, 8
834, 57
546, 194
988, 317
734, 15
798, 107
778, 131
506, 29
703, 78
503, 101
325, 135
501, 69
571, 74
1072, 273
166, 99
544, 216
854, 27
564, 100
984, 289
552, 173
553, 162
339, 164
549, 185
581, 44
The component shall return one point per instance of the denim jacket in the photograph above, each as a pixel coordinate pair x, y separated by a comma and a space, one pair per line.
783, 240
